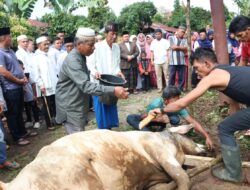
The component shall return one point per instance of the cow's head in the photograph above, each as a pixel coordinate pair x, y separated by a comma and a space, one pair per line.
189, 146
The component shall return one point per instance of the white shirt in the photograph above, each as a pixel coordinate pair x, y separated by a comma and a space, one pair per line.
159, 48
45, 72
60, 60
104, 60
23, 56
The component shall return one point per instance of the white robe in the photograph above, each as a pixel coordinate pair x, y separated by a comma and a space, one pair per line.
24, 56
104, 60
45, 72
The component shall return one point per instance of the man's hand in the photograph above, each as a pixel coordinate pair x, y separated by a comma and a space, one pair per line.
121, 92
130, 57
121, 75
23, 81
97, 75
154, 112
209, 143
43, 91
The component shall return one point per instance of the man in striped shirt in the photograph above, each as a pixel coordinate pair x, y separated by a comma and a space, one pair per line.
178, 46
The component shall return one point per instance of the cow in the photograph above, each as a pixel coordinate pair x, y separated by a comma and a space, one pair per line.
108, 160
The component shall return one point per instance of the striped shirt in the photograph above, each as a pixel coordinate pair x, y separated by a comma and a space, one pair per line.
177, 56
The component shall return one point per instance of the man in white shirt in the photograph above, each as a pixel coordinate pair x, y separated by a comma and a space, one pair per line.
69, 45
159, 50
106, 60
55, 51
22, 53
46, 78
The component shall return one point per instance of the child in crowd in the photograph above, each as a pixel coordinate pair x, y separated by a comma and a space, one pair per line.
144, 69
4, 163
30, 103
170, 94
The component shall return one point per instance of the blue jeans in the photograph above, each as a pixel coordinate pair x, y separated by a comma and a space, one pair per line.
238, 121
3, 155
14, 101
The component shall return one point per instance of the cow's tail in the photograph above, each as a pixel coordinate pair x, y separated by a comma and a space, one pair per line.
3, 186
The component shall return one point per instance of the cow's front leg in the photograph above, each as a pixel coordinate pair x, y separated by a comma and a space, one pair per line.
173, 168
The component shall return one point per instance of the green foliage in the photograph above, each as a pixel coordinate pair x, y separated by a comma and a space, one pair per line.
4, 20
21, 8
199, 17
67, 22
159, 18
135, 16
67, 6
244, 6
99, 15
204, 18
21, 26
178, 15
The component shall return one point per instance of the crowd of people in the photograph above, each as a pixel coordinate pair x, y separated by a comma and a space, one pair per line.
63, 74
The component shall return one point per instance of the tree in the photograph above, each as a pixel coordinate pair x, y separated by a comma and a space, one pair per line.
21, 8
136, 16
244, 6
99, 15
199, 18
66, 22
178, 15
67, 6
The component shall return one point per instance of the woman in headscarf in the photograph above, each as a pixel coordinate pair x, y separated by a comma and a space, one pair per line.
149, 39
141, 43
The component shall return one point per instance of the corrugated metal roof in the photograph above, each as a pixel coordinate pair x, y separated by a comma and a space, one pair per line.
163, 27
37, 23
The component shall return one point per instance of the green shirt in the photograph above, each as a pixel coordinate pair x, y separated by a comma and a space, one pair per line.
159, 103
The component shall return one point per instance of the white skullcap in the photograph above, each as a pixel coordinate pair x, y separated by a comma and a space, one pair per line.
85, 33
21, 37
41, 39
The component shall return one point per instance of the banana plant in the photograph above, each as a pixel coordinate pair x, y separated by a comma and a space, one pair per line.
21, 8
68, 7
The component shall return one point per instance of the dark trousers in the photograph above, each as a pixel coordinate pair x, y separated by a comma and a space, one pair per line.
238, 121
180, 69
32, 105
145, 82
51, 106
134, 120
131, 77
14, 114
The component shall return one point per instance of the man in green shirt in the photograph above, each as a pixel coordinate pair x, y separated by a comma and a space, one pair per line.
170, 94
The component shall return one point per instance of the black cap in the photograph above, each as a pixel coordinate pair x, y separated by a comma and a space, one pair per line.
158, 30
4, 31
111, 27
125, 32
69, 39
202, 30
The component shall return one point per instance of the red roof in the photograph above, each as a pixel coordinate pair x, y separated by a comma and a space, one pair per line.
37, 23
163, 27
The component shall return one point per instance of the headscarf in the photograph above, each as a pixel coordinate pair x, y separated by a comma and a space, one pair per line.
141, 44
132, 37
234, 42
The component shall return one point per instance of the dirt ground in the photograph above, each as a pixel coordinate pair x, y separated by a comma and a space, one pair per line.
205, 110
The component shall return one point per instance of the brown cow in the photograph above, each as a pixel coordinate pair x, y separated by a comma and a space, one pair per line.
108, 160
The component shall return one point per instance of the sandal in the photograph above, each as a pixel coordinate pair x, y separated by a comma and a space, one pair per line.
29, 134
51, 128
9, 165
23, 142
